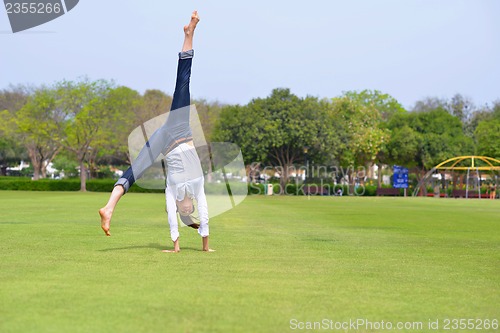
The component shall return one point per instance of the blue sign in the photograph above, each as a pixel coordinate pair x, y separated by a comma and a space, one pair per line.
400, 178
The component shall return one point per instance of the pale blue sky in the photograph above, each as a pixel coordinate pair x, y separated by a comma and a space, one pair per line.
410, 49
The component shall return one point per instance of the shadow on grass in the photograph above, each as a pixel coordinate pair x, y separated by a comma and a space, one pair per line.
15, 223
155, 246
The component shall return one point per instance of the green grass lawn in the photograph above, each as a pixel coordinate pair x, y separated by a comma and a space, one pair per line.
280, 262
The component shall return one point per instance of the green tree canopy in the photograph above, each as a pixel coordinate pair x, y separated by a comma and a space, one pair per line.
90, 113
385, 104
358, 125
487, 135
275, 129
37, 126
12, 99
439, 136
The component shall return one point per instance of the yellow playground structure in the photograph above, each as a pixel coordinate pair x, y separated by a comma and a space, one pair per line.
462, 176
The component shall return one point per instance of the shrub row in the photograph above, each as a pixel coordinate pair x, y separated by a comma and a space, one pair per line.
26, 184
106, 185
327, 188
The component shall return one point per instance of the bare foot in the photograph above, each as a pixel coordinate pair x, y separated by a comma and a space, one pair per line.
189, 29
105, 220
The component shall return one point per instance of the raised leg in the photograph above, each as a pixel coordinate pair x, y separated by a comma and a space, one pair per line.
189, 32
107, 211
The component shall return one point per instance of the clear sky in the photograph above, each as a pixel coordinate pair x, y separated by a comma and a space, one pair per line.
409, 49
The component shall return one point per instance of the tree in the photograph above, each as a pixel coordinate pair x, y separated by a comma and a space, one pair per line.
12, 100
88, 117
478, 116
496, 109
66, 165
421, 140
361, 136
208, 113
428, 104
38, 121
274, 129
35, 125
154, 103
442, 137
424, 139
483, 115
403, 146
10, 152
121, 105
487, 135
387, 107
461, 107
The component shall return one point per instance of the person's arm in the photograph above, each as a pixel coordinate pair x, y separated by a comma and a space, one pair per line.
172, 214
203, 212
203, 230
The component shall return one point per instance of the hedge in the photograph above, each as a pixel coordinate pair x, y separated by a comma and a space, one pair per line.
26, 184
106, 185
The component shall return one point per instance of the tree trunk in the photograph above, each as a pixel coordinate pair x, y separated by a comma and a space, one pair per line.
283, 179
368, 172
423, 189
83, 177
209, 173
351, 179
49, 159
34, 158
285, 159
43, 170
36, 173
379, 175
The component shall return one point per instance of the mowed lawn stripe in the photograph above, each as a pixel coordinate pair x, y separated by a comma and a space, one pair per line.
278, 259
